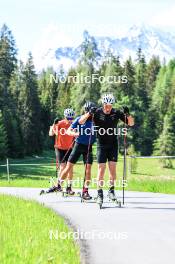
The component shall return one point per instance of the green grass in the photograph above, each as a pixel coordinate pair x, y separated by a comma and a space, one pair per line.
24, 231
149, 175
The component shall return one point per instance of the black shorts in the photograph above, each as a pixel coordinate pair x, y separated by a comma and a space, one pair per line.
62, 155
107, 153
78, 150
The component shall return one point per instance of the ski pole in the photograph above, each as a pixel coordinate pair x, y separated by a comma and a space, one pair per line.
59, 164
124, 165
89, 144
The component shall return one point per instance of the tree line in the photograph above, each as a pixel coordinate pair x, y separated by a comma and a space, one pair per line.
29, 101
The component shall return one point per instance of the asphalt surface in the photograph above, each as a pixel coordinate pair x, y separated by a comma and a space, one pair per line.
141, 232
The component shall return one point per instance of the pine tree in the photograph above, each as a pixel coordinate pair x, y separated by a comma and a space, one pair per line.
8, 65
8, 62
48, 90
3, 139
89, 50
129, 71
161, 96
30, 110
140, 77
149, 116
151, 74
113, 69
86, 89
64, 95
164, 145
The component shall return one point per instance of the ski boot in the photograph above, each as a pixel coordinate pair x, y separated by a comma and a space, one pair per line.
68, 191
112, 197
99, 199
85, 195
52, 189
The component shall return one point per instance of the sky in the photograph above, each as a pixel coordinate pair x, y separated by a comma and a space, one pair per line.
41, 24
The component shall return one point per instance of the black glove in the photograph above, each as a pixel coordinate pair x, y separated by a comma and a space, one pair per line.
125, 110
92, 110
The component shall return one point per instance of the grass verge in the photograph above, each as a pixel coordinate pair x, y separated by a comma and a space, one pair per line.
149, 175
24, 231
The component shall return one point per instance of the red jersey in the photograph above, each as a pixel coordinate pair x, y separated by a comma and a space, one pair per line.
62, 140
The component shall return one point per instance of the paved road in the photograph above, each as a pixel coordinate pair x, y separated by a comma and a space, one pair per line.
142, 232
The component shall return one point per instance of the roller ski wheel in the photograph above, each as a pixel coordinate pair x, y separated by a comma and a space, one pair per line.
112, 198
85, 200
54, 189
118, 203
65, 194
42, 192
99, 201
100, 205
86, 196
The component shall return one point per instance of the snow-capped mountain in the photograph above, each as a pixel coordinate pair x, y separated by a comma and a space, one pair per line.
152, 42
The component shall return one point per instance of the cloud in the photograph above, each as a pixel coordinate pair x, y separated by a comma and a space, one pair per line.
52, 37
165, 18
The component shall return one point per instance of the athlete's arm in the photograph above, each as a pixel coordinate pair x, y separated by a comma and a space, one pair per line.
84, 118
53, 131
71, 132
130, 120
126, 117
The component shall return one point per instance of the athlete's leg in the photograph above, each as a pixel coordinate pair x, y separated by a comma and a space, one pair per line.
62, 166
100, 175
100, 182
64, 173
88, 175
112, 172
70, 173
112, 180
57, 158
88, 160
112, 164
101, 159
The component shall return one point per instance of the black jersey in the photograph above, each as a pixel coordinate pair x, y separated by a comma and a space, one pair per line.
106, 126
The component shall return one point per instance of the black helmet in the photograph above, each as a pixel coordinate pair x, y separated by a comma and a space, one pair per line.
88, 105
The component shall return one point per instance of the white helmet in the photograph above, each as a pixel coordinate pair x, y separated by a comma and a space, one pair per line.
108, 99
69, 113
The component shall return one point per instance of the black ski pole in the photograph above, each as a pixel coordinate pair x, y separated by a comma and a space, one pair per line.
88, 151
57, 167
124, 165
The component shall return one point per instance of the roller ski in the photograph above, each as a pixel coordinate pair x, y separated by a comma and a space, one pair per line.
112, 198
99, 199
69, 192
52, 190
85, 195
